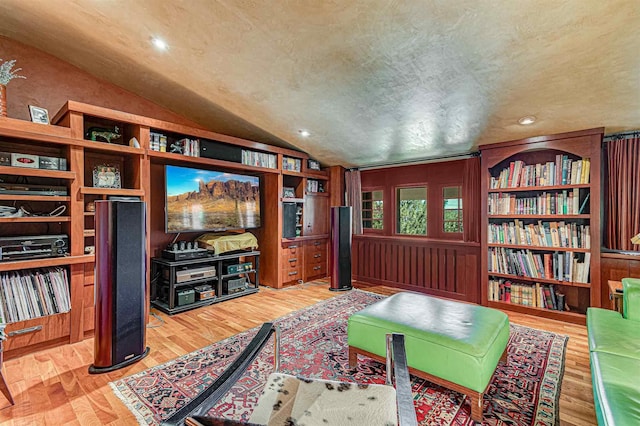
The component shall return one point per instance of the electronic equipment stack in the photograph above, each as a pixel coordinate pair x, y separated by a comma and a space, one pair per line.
184, 284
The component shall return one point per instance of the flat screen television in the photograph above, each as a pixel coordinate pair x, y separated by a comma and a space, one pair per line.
199, 200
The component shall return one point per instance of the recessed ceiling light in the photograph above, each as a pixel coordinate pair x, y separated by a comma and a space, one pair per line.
529, 119
304, 133
159, 43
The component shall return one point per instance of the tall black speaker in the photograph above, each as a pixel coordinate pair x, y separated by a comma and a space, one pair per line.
120, 333
340, 259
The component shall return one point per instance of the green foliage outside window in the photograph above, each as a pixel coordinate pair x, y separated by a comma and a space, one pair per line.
412, 211
452, 208
376, 223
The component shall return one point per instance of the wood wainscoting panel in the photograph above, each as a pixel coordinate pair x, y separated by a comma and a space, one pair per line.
442, 268
615, 267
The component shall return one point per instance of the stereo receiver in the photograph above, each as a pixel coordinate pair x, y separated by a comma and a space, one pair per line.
184, 275
33, 247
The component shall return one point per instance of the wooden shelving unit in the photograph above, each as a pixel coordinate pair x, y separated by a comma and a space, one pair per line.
574, 146
54, 198
23, 171
141, 175
35, 219
112, 191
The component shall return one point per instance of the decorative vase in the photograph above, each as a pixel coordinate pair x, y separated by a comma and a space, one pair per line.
3, 100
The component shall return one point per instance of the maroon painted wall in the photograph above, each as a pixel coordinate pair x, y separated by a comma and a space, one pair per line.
51, 82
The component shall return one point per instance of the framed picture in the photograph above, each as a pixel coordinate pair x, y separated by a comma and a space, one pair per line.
39, 115
288, 192
313, 165
106, 176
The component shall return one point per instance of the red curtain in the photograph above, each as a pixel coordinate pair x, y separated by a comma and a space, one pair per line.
471, 200
622, 192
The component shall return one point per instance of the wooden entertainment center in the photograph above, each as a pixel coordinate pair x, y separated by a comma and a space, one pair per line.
283, 260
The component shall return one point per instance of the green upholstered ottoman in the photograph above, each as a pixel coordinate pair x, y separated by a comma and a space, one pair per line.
453, 344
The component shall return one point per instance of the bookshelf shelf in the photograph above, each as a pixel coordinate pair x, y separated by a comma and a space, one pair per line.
540, 188
568, 157
539, 216
111, 191
569, 316
168, 157
35, 219
41, 263
540, 248
23, 171
539, 280
55, 198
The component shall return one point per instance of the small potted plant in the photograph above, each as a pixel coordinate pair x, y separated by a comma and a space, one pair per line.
7, 73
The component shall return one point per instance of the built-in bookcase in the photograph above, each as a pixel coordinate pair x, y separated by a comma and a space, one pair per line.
541, 225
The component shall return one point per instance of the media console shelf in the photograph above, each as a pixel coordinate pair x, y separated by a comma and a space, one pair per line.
216, 271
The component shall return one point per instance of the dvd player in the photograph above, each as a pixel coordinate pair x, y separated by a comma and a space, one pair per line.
23, 189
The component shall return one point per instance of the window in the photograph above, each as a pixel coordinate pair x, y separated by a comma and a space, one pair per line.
411, 210
452, 210
372, 212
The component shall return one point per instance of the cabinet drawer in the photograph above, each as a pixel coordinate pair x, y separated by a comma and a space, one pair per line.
317, 245
37, 330
316, 269
292, 250
292, 274
315, 257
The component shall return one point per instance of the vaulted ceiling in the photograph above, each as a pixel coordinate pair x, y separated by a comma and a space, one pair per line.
373, 81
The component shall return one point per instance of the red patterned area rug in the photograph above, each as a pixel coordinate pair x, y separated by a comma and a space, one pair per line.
524, 392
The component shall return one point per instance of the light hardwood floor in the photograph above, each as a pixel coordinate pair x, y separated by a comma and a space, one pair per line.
54, 387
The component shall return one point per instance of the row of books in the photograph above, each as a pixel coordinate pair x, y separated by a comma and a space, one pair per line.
291, 164
188, 147
536, 295
314, 186
34, 293
563, 171
545, 203
559, 266
259, 159
544, 234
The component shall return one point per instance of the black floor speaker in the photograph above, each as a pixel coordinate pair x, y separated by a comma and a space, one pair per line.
120, 333
340, 258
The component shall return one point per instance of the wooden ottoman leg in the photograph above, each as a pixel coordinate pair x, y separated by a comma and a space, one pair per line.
353, 357
476, 406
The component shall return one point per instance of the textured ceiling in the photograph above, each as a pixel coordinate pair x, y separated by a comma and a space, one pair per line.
375, 82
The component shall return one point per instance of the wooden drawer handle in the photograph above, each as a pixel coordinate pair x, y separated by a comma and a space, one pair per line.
317, 255
25, 331
293, 273
293, 259
317, 243
316, 268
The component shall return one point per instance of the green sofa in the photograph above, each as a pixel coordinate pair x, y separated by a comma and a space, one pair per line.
614, 352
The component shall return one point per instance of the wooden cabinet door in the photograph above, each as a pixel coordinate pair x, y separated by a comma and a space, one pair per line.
316, 215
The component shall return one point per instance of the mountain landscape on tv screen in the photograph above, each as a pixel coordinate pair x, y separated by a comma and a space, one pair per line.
216, 205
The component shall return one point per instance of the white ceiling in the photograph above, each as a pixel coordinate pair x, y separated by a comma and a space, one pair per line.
375, 82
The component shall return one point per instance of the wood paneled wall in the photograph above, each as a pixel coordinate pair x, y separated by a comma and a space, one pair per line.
615, 266
441, 268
